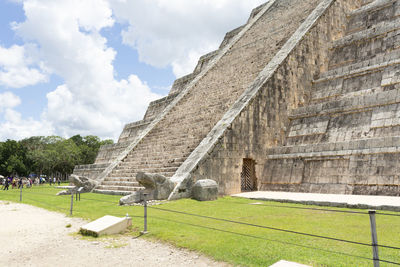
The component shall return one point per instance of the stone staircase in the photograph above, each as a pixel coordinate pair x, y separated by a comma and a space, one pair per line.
225, 75
347, 138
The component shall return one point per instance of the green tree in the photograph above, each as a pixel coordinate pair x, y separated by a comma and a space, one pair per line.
13, 157
89, 147
48, 155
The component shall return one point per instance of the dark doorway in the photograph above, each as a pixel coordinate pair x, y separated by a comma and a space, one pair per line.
248, 176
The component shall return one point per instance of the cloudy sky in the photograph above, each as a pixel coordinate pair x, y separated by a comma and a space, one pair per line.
90, 66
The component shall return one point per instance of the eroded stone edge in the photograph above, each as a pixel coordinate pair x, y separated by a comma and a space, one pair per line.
183, 175
212, 63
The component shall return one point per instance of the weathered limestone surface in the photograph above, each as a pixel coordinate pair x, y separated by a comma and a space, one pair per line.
189, 119
106, 225
156, 187
307, 89
109, 153
91, 171
84, 182
353, 147
260, 117
205, 190
345, 137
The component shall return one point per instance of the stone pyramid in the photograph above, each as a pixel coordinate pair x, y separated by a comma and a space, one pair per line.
303, 97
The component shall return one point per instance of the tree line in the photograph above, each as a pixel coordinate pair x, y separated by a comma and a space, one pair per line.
48, 155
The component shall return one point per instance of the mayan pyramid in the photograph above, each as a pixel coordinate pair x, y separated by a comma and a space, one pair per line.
304, 97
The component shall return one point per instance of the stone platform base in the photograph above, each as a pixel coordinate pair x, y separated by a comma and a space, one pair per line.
333, 200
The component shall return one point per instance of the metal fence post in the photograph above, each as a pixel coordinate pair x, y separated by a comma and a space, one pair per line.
145, 213
374, 238
20, 194
72, 202
78, 192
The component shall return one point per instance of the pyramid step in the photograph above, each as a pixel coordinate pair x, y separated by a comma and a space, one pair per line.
359, 68
361, 81
145, 158
112, 192
375, 31
162, 140
135, 169
142, 160
113, 176
134, 174
354, 147
119, 188
120, 179
119, 183
146, 165
372, 12
139, 165
380, 39
357, 103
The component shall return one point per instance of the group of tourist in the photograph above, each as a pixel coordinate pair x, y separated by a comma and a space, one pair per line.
16, 182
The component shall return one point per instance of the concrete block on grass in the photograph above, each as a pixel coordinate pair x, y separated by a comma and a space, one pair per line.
205, 190
107, 225
288, 264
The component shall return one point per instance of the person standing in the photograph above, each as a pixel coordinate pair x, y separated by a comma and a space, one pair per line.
6, 185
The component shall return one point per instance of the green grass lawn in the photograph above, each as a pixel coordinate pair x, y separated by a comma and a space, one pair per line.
234, 243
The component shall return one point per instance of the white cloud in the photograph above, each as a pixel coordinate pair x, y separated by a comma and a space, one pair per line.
8, 100
91, 101
15, 127
63, 37
18, 68
177, 32
103, 114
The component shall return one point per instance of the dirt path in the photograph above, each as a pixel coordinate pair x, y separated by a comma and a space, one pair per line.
30, 236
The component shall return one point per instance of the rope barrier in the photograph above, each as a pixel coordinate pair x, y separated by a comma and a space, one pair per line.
263, 238
262, 205
41, 194
278, 241
99, 200
29, 192
272, 228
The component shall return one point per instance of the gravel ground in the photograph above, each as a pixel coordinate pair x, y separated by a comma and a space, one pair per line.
30, 236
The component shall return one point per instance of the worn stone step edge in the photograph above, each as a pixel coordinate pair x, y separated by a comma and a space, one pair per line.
371, 6
339, 96
122, 179
133, 175
119, 188
156, 156
361, 68
345, 105
186, 90
380, 29
362, 146
120, 183
112, 192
